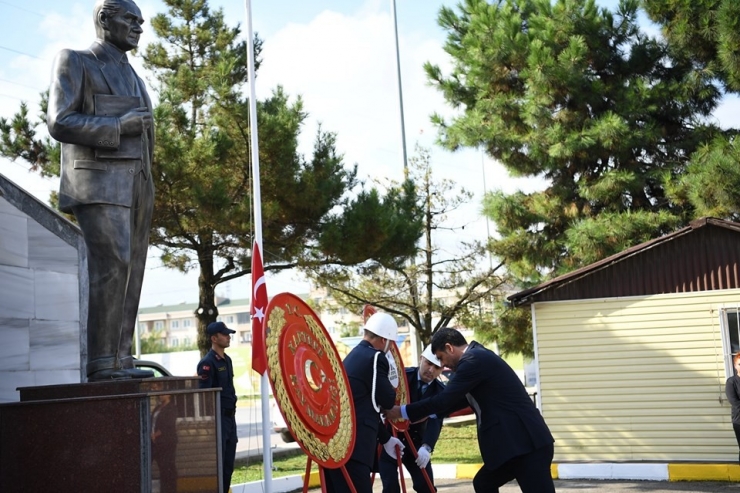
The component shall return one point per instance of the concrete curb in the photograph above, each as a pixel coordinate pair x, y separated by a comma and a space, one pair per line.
636, 471
680, 471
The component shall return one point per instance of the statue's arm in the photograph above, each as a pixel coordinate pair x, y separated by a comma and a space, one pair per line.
67, 117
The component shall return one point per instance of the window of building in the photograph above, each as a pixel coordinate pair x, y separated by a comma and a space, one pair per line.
245, 336
174, 342
730, 322
187, 323
142, 327
229, 319
243, 318
158, 325
186, 342
174, 324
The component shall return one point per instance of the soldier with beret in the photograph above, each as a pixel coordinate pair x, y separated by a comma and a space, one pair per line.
216, 370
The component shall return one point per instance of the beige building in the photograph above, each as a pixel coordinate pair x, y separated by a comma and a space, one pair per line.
633, 351
176, 325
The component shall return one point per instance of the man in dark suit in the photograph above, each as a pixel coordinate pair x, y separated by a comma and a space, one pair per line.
100, 111
514, 441
423, 384
367, 372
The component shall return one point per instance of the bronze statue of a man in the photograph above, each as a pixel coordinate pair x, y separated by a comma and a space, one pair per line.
101, 113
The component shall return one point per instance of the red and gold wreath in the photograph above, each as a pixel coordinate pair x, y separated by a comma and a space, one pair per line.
308, 381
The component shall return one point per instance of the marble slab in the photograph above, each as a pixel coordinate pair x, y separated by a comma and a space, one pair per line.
54, 345
13, 240
16, 292
56, 296
56, 377
15, 345
46, 251
8, 208
12, 381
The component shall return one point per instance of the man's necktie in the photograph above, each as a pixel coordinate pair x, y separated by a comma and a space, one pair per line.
422, 388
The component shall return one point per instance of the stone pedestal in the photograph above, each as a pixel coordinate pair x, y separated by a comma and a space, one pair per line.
151, 435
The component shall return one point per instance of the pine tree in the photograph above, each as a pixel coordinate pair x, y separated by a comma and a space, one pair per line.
581, 98
707, 30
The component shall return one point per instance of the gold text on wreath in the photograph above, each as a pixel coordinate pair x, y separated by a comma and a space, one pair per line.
303, 338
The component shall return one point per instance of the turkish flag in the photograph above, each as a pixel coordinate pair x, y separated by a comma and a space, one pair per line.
259, 304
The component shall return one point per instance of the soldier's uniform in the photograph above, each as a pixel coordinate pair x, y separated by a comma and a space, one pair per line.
216, 371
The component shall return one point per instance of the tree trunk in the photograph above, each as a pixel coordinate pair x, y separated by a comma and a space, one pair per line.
207, 311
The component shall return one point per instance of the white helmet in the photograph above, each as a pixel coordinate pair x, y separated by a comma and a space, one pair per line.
383, 325
431, 357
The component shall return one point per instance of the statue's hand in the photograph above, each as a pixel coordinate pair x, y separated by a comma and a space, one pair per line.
136, 121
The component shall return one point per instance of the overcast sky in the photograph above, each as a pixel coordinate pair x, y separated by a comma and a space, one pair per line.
339, 55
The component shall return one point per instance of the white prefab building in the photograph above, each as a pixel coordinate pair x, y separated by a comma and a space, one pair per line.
633, 351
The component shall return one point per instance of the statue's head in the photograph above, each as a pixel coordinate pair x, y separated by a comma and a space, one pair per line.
118, 22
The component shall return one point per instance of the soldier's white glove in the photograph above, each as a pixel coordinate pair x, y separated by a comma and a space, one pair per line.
390, 446
423, 457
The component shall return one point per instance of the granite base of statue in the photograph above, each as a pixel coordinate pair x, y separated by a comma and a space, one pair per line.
155, 435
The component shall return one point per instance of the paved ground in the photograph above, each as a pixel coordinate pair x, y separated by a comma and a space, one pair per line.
250, 446
582, 486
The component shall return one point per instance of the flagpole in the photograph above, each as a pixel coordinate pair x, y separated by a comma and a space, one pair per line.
257, 201
400, 91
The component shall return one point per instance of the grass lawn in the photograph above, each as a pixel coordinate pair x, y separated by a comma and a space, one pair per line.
457, 445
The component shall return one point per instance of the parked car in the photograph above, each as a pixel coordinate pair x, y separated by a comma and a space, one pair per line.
159, 370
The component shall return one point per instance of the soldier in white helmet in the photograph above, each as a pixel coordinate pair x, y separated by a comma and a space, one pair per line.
367, 370
423, 383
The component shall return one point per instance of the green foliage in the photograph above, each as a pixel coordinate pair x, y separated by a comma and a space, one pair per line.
707, 30
154, 343
578, 97
351, 329
375, 228
513, 330
457, 445
288, 465
712, 180
18, 140
429, 292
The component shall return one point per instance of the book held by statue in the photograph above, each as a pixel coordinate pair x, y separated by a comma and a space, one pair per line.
112, 105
